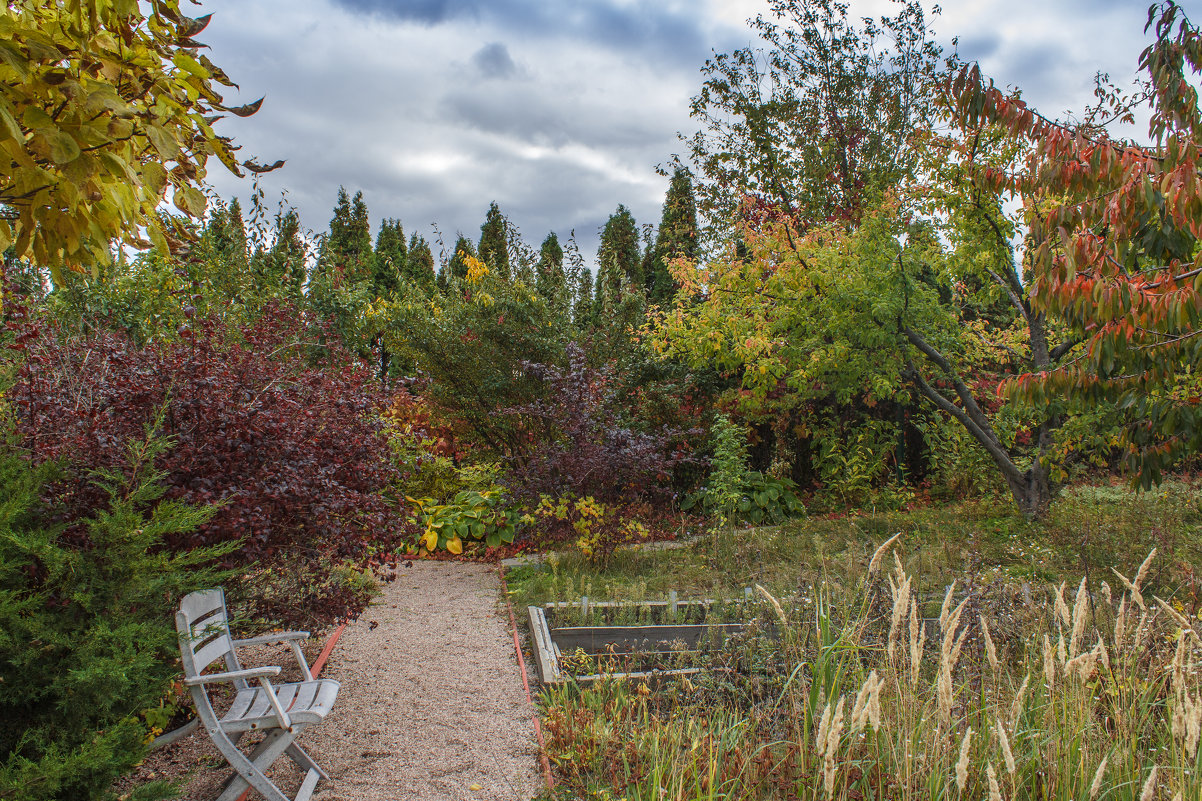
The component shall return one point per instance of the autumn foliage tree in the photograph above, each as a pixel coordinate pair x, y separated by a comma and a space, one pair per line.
106, 109
870, 262
1114, 228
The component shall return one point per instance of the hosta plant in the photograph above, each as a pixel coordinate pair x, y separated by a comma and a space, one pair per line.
471, 514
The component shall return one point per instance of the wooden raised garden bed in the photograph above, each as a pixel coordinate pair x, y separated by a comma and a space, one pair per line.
582, 641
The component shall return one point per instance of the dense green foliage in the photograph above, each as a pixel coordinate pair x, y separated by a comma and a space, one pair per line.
87, 642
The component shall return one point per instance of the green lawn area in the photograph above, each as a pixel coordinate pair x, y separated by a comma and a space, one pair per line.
1089, 530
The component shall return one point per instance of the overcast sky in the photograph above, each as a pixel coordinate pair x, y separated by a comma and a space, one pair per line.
558, 110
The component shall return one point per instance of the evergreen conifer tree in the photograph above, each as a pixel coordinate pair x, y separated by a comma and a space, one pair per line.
620, 248
419, 264
551, 280
347, 250
677, 237
618, 262
285, 263
234, 244
494, 246
223, 250
389, 258
457, 267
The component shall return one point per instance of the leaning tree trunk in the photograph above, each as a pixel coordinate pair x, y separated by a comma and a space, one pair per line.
1032, 488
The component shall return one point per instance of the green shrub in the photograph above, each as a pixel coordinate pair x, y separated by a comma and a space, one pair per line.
739, 494
87, 643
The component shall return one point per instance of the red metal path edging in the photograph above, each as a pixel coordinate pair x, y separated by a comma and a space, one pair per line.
517, 648
324, 656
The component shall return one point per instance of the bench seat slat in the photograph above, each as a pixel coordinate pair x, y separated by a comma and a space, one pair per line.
305, 702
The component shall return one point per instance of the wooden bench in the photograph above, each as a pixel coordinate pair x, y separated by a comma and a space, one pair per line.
281, 710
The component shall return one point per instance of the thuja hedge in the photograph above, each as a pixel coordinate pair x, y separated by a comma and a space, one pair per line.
272, 422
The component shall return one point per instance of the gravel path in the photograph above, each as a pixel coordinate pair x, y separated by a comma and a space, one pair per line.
431, 707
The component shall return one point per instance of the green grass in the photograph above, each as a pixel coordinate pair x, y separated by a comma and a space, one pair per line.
1089, 530
1072, 705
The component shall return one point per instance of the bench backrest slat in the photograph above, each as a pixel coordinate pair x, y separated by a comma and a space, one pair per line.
204, 633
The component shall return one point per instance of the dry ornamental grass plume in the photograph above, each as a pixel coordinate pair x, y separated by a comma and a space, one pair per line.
918, 638
1096, 786
995, 792
990, 649
1080, 610
1016, 706
830, 768
875, 562
962, 762
1049, 663
1004, 741
1140, 575
1120, 624
1149, 790
1186, 626
1062, 613
823, 726
945, 609
780, 613
867, 708
949, 653
900, 589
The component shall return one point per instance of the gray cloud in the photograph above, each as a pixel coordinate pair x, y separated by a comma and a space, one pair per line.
657, 30
493, 61
585, 96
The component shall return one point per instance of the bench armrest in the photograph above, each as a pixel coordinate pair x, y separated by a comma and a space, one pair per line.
268, 639
233, 675
293, 638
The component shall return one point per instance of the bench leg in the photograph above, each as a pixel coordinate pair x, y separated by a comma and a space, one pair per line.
250, 769
304, 761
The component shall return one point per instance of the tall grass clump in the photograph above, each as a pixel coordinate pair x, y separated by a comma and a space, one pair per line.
1067, 694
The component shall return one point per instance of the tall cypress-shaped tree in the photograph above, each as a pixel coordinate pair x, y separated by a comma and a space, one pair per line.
494, 247
618, 260
419, 264
346, 252
389, 259
620, 246
234, 247
223, 249
341, 284
551, 280
676, 239
285, 262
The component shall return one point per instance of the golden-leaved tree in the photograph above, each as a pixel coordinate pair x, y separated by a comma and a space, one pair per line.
106, 109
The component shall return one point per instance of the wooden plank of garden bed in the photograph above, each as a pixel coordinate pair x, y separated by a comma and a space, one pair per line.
594, 639
544, 648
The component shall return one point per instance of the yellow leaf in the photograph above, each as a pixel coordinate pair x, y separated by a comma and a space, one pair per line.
455, 545
475, 787
430, 540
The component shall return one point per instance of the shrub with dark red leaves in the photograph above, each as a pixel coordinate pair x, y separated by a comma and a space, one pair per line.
291, 452
575, 442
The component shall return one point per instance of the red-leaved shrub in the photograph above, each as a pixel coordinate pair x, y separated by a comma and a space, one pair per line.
290, 451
